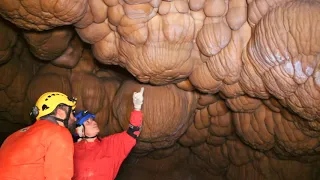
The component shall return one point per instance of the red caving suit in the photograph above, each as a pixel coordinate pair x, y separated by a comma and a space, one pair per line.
101, 160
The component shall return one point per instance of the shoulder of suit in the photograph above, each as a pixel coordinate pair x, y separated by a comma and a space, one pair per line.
53, 129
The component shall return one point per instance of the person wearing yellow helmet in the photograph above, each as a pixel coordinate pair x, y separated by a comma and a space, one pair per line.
48, 105
43, 150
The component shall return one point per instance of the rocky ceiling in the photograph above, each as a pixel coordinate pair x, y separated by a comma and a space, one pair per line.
231, 86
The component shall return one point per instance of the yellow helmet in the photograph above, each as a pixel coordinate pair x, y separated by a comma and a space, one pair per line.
48, 102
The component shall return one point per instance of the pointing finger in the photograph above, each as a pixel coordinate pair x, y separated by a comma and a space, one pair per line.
142, 90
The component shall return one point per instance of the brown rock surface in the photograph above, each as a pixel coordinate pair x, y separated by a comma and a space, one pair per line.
232, 87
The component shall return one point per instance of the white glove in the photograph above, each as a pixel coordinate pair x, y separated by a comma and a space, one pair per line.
138, 99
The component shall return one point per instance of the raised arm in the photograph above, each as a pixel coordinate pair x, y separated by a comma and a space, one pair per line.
136, 116
119, 145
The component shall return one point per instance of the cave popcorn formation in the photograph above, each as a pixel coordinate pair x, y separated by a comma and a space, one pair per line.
232, 87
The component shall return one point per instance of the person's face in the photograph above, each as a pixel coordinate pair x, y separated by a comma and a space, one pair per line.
72, 124
62, 114
72, 119
91, 127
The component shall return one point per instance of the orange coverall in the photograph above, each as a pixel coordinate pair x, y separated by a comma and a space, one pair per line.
43, 150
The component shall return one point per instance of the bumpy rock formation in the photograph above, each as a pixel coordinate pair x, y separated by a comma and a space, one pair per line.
232, 87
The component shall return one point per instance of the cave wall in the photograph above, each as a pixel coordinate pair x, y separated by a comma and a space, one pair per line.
232, 87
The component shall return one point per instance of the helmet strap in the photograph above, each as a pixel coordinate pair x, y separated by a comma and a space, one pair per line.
85, 136
65, 121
